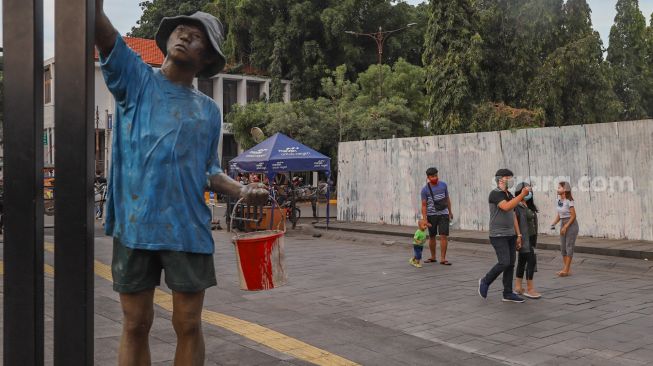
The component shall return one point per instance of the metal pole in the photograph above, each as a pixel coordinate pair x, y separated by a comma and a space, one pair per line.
97, 138
74, 231
378, 37
23, 138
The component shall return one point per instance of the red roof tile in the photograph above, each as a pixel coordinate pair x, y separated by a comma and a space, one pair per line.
150, 53
146, 48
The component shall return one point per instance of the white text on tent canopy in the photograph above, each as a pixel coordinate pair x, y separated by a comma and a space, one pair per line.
279, 165
292, 151
256, 153
260, 166
321, 164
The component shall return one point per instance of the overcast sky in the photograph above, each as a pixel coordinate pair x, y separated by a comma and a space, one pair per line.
124, 13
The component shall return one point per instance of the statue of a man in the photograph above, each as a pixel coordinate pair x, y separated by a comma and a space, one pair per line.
165, 154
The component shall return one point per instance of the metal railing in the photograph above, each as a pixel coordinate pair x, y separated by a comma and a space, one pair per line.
23, 242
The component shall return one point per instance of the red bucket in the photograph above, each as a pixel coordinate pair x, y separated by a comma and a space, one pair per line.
261, 260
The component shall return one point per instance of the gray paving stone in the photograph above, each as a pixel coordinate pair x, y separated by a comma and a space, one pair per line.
533, 357
378, 310
240, 356
641, 354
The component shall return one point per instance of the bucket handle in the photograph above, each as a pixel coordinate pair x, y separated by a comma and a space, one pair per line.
233, 214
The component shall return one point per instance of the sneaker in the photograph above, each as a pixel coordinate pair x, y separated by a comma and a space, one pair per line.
417, 264
411, 261
512, 297
482, 288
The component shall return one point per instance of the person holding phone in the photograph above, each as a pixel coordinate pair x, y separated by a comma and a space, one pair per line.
505, 235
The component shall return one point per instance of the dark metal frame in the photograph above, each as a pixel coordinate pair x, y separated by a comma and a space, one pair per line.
74, 216
23, 178
23, 241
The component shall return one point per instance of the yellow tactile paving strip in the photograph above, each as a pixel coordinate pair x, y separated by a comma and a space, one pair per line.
265, 336
47, 269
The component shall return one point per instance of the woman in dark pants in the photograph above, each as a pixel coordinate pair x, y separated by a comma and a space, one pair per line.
527, 216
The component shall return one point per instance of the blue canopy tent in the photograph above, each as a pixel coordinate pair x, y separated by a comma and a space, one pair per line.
281, 154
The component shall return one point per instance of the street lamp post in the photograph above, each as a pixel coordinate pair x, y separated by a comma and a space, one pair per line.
379, 37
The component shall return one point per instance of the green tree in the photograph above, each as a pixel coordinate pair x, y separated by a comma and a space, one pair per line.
244, 118
498, 28
452, 56
276, 87
389, 118
627, 54
342, 94
302, 39
518, 36
498, 116
155, 10
284, 37
393, 91
309, 121
647, 94
353, 109
577, 20
366, 16
573, 86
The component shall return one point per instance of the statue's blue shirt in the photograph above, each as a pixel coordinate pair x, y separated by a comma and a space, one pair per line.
165, 144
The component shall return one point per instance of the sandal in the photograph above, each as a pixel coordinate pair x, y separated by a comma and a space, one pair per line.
446, 263
430, 260
534, 296
520, 291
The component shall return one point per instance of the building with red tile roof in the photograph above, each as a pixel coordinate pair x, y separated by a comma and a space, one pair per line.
236, 85
152, 55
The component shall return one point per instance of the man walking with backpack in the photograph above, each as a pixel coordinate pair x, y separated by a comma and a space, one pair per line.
436, 210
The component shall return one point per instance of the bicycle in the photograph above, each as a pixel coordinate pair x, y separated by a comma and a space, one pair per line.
293, 213
100, 194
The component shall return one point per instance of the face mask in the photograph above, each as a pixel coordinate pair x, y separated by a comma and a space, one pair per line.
510, 182
529, 196
433, 180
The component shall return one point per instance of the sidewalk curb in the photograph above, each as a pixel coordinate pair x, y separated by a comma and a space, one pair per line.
608, 252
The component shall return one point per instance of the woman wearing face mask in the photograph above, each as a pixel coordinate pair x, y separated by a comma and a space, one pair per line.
566, 212
527, 217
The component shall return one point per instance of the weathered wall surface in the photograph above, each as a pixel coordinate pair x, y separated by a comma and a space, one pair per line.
610, 167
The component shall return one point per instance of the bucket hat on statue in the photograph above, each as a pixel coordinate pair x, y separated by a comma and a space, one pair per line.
212, 27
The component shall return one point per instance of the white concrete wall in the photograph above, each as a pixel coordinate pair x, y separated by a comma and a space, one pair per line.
380, 181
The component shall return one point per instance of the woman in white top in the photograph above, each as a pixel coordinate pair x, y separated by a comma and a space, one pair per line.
566, 212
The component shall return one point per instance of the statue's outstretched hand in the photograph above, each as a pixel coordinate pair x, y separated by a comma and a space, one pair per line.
255, 194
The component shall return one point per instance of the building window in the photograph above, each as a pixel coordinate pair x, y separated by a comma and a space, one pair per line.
229, 150
47, 86
253, 92
229, 95
205, 86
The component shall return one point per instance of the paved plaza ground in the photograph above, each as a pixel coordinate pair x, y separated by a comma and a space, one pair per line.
353, 300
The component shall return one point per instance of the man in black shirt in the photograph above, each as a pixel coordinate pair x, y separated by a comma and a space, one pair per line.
505, 236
